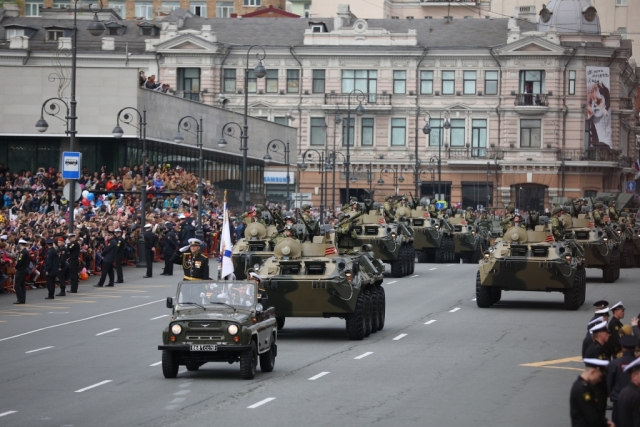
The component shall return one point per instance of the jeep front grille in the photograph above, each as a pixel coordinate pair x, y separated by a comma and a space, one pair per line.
204, 337
205, 324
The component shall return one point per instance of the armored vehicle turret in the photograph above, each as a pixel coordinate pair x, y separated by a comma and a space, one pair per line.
251, 251
427, 239
461, 240
600, 246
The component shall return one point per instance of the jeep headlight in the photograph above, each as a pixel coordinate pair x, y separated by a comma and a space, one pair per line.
256, 266
232, 329
568, 258
176, 329
393, 236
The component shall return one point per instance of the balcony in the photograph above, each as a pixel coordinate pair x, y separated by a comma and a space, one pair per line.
626, 104
596, 155
450, 2
531, 104
470, 153
370, 99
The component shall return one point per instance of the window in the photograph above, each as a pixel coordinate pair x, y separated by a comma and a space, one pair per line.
281, 120
61, 4
253, 2
530, 133
272, 81
122, 10
366, 136
398, 132
399, 82
189, 83
531, 82
172, 5
318, 131
621, 2
14, 33
624, 34
491, 83
307, 10
252, 82
435, 137
572, 82
469, 82
448, 82
144, 10
364, 80
293, 81
457, 132
478, 138
199, 8
426, 82
318, 81
590, 194
587, 134
351, 130
224, 9
33, 8
229, 80
54, 35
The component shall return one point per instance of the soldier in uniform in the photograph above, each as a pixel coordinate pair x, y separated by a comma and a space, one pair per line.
389, 211
347, 208
287, 233
557, 228
150, 242
507, 221
588, 339
306, 212
73, 248
577, 206
63, 256
121, 244
346, 236
518, 222
613, 212
629, 397
598, 350
108, 260
469, 216
584, 400
170, 243
598, 214
615, 326
263, 298
194, 264
616, 378
433, 210
22, 271
51, 268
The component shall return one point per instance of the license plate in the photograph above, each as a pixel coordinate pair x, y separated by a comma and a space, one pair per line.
203, 347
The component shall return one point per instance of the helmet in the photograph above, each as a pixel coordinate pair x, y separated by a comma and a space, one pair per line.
305, 207
469, 208
388, 198
556, 210
510, 208
341, 216
353, 199
598, 205
288, 218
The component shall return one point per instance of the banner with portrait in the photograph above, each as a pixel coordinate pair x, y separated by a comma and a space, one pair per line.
599, 107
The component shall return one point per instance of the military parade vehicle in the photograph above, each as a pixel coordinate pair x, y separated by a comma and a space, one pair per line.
218, 321
627, 246
251, 251
310, 278
427, 238
636, 243
530, 260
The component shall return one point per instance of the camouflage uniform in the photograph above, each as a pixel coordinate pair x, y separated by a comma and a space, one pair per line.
507, 221
577, 207
598, 217
613, 213
557, 228
288, 232
306, 213
468, 216
346, 237
389, 211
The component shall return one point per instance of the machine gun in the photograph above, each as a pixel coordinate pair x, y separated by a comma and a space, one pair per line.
278, 219
349, 219
413, 204
311, 232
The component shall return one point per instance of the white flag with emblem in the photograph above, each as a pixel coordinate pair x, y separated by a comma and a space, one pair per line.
225, 246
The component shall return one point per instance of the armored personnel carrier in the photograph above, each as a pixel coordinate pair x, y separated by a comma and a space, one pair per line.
627, 246
251, 251
427, 238
311, 279
461, 241
530, 260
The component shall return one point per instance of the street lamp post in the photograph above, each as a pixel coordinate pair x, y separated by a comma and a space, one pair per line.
303, 167
275, 148
360, 96
487, 189
229, 128
397, 176
446, 126
186, 123
117, 132
425, 130
95, 28
259, 72
336, 121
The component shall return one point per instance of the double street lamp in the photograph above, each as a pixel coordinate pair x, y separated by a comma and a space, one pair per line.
187, 123
360, 96
416, 169
332, 158
274, 146
397, 176
446, 126
230, 129
321, 166
95, 28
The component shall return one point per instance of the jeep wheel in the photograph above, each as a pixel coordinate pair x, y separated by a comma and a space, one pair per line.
382, 305
193, 366
169, 364
484, 294
396, 268
368, 312
356, 320
248, 362
573, 296
280, 322
375, 307
627, 260
268, 358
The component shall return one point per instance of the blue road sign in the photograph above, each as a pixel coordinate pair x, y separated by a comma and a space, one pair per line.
71, 167
631, 186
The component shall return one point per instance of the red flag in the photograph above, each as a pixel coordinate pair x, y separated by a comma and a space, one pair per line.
549, 238
607, 219
382, 221
426, 215
591, 224
331, 250
463, 222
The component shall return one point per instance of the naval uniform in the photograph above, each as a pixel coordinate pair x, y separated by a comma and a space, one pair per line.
598, 351
614, 340
583, 404
74, 258
22, 271
617, 380
629, 406
195, 267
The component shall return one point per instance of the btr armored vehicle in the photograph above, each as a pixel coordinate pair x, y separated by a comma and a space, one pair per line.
601, 246
219, 321
251, 251
427, 238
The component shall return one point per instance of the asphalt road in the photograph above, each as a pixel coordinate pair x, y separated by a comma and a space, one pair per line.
91, 359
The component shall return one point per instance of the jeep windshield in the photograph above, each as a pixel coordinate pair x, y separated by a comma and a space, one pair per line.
217, 294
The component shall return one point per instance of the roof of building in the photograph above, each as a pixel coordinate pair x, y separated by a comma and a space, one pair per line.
270, 11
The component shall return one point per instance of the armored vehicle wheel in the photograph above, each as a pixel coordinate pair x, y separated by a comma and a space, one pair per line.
497, 295
423, 256
280, 322
449, 248
268, 359
616, 260
583, 279
169, 364
477, 255
439, 255
412, 259
375, 308
356, 320
402, 259
627, 260
382, 305
611, 272
484, 295
249, 362
368, 312
573, 296
193, 366
396, 268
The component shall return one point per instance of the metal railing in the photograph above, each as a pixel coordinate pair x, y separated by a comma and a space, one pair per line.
531, 99
475, 2
343, 99
471, 153
595, 155
626, 104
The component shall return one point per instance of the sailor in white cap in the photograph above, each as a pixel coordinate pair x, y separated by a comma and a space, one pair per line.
150, 242
615, 326
617, 378
598, 349
584, 401
263, 298
121, 247
22, 271
629, 398
194, 264
588, 340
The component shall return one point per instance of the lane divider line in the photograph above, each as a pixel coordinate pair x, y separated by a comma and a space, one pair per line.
182, 392
106, 332
454, 310
416, 275
434, 268
320, 375
392, 282
473, 299
93, 386
38, 349
159, 317
430, 322
399, 337
178, 400
362, 356
79, 320
156, 364
450, 265
7, 413
262, 402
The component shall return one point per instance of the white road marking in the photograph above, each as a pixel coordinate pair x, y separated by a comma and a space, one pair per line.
262, 402
321, 374
182, 392
416, 275
159, 317
58, 312
156, 364
435, 268
430, 322
392, 282
38, 349
178, 400
399, 337
473, 299
93, 386
187, 384
79, 320
106, 332
7, 413
362, 356
449, 265
454, 310
170, 407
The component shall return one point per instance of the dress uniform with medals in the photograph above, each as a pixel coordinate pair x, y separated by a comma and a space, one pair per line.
51, 268
629, 398
194, 264
598, 351
615, 325
63, 257
73, 248
584, 401
617, 379
119, 254
22, 271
